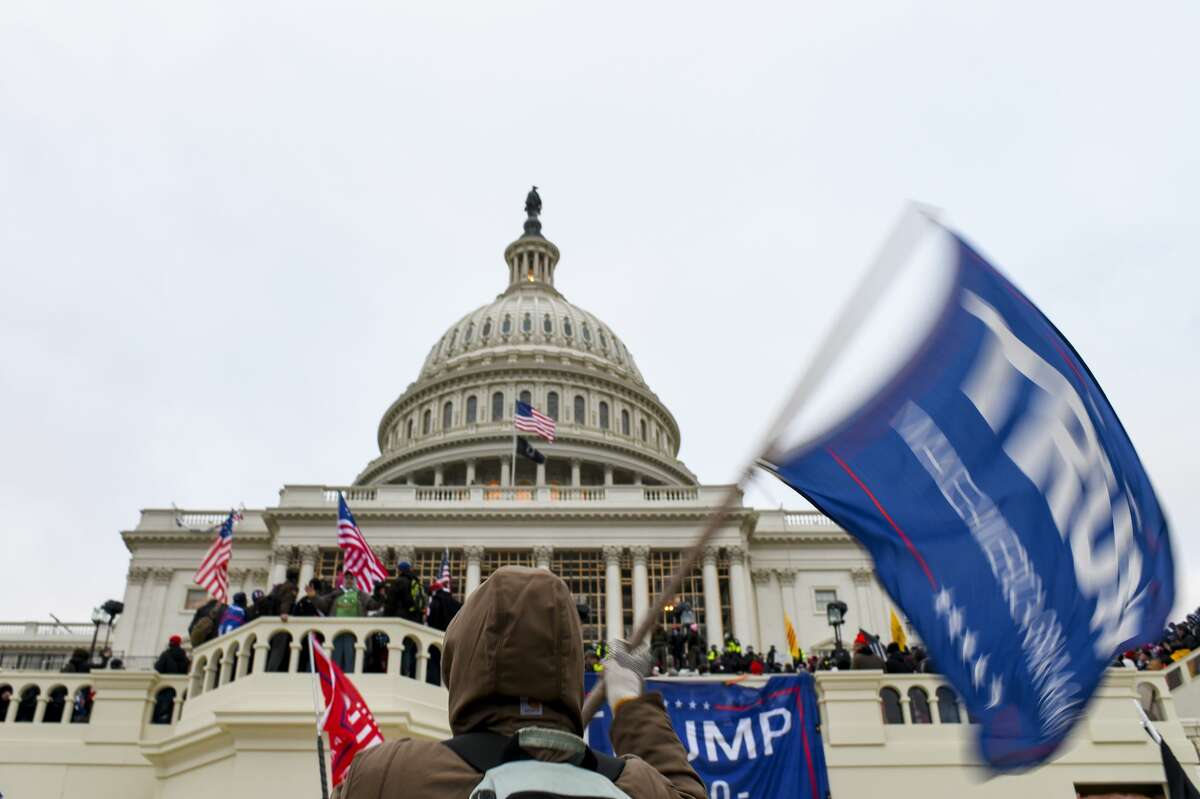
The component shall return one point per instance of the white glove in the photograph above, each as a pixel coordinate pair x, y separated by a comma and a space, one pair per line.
624, 672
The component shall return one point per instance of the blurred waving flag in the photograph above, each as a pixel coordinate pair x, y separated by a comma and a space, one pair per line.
1007, 512
213, 574
346, 718
359, 559
529, 420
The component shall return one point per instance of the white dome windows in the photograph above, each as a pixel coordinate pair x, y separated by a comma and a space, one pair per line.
586, 332
527, 323
409, 431
426, 422
506, 325
642, 424
552, 403
447, 415
547, 325
498, 406
568, 331
624, 422
580, 410
603, 414
603, 340
453, 339
486, 332
472, 409
470, 334
526, 397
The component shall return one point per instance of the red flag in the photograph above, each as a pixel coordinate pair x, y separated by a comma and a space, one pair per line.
347, 719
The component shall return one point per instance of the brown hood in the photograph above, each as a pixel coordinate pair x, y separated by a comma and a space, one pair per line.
514, 655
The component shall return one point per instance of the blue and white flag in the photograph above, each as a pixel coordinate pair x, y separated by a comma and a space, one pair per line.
745, 743
1005, 508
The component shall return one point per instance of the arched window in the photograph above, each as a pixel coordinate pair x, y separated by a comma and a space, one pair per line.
892, 712
527, 324
426, 423
948, 706
472, 409
526, 398
547, 324
642, 424
552, 403
54, 706
603, 340
487, 328
918, 705
624, 422
603, 415
447, 415
506, 325
568, 331
586, 332
470, 334
580, 410
1148, 697
497, 406
453, 338
408, 431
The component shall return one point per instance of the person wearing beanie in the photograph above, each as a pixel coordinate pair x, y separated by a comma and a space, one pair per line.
234, 615
513, 660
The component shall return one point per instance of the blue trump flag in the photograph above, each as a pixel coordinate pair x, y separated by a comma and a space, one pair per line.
745, 743
1006, 511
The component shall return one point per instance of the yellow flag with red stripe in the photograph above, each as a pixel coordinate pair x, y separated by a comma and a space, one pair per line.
793, 644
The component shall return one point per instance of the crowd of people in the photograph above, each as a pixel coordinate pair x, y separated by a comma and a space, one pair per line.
1179, 640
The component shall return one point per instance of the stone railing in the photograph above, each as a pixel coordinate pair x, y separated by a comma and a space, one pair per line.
1183, 681
389, 496
42, 699
269, 646
33, 629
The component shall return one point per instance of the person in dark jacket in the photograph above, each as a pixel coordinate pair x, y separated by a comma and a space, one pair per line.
304, 607
406, 595
79, 663
897, 663
866, 660
443, 607
173, 660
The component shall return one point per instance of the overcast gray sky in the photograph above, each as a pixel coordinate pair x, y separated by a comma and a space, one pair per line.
230, 233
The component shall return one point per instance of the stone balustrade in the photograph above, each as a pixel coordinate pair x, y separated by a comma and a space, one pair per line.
1183, 681
273, 646
42, 699
387, 496
25, 629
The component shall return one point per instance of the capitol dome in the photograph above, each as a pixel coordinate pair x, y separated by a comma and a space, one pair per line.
453, 426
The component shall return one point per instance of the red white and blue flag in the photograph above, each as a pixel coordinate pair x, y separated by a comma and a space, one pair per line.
529, 419
358, 557
213, 574
442, 583
346, 718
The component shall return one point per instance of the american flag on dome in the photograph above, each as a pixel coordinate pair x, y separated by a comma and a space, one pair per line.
529, 420
442, 583
213, 574
358, 557
347, 719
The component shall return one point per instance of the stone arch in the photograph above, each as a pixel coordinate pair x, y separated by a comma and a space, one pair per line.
7, 697
1151, 702
215, 663
375, 658
233, 653
889, 699
410, 646
56, 704
27, 703
948, 706
199, 675
918, 705
81, 705
164, 706
433, 666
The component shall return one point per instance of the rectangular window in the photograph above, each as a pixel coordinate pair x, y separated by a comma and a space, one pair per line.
662, 564
495, 558
195, 599
428, 565
822, 597
583, 572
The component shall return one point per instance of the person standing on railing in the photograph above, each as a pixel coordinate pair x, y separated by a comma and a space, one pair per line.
346, 602
513, 661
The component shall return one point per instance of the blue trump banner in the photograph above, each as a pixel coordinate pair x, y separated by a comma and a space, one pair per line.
745, 743
1005, 508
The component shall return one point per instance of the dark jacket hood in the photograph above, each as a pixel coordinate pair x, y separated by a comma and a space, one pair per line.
514, 655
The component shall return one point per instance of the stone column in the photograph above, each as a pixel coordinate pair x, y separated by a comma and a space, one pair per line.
308, 564
608, 474
613, 612
541, 474
474, 555
471, 472
641, 583
279, 564
135, 601
861, 576
761, 579
738, 594
439, 474
712, 599
147, 636
575, 469
504, 473
542, 555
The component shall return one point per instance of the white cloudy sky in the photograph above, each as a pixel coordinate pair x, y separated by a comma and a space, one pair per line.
229, 233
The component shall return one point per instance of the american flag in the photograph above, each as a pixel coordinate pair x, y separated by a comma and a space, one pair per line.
443, 581
213, 574
358, 557
347, 719
529, 420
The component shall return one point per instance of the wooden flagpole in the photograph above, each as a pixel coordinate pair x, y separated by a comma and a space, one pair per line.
866, 294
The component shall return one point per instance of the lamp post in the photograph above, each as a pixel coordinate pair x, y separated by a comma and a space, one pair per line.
98, 617
835, 614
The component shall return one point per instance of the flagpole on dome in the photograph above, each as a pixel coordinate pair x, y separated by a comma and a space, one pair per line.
319, 709
870, 289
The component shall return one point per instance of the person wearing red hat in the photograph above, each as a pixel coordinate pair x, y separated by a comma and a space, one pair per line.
173, 660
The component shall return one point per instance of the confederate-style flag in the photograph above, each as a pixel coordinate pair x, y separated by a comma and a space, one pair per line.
347, 719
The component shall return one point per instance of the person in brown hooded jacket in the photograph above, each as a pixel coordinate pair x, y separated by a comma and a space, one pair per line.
513, 659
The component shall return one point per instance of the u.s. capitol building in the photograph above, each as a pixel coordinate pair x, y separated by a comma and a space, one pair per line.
611, 511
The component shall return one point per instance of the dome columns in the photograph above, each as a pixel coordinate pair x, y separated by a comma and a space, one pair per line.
531, 261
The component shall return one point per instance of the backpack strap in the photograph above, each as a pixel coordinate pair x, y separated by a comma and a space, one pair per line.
486, 750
